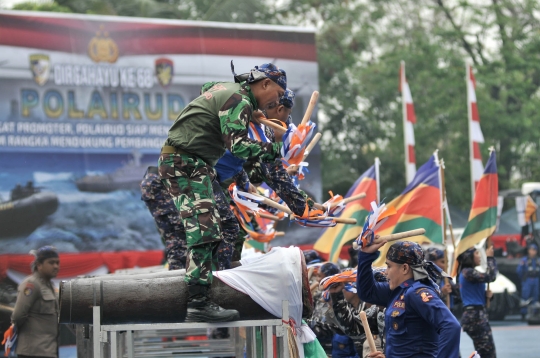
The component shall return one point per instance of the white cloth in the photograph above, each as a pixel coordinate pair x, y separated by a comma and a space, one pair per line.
268, 280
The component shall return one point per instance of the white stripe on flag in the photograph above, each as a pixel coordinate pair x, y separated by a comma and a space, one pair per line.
476, 132
411, 171
472, 93
478, 169
409, 133
407, 93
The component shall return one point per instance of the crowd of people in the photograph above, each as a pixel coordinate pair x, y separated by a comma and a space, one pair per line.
219, 139
409, 304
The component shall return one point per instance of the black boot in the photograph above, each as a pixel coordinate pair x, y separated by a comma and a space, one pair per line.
201, 309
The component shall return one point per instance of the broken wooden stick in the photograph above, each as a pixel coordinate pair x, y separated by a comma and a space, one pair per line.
266, 216
276, 127
310, 107
275, 205
349, 199
394, 237
367, 331
400, 235
312, 144
338, 219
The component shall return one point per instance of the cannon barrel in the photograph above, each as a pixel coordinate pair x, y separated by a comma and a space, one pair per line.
137, 275
161, 300
155, 298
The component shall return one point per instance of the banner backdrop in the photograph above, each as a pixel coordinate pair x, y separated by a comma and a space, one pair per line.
86, 103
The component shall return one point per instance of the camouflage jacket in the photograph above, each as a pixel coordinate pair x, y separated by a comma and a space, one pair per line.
349, 317
217, 120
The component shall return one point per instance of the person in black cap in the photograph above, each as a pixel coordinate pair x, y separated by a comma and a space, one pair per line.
418, 324
473, 293
449, 292
528, 271
36, 311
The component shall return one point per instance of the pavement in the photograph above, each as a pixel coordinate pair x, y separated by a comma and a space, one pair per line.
513, 338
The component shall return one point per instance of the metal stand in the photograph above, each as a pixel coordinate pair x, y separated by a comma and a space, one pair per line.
103, 334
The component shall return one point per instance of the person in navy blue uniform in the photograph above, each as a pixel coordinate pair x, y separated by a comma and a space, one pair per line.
451, 290
529, 273
418, 324
472, 284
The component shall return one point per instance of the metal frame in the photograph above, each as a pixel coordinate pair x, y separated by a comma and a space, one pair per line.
268, 328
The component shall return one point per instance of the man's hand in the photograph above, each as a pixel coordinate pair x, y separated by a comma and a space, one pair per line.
257, 115
446, 289
373, 248
291, 169
336, 289
252, 189
489, 251
376, 355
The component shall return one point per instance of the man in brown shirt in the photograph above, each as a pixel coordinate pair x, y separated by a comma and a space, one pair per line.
36, 309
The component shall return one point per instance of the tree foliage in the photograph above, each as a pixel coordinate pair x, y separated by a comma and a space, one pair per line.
360, 44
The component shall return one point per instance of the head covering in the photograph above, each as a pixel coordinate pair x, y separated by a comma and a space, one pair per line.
379, 274
466, 256
329, 269
287, 99
42, 254
408, 252
311, 257
350, 287
533, 246
434, 254
266, 70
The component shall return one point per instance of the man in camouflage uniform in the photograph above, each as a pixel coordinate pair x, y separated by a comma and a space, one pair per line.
170, 227
213, 122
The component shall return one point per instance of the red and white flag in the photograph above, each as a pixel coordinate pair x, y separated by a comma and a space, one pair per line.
409, 118
475, 133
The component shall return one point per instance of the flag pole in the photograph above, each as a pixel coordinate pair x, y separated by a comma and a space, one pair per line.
446, 209
469, 116
444, 214
377, 163
487, 245
402, 79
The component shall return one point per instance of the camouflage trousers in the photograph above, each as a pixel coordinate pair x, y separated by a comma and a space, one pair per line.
236, 242
189, 181
174, 237
277, 178
169, 225
239, 244
229, 227
475, 323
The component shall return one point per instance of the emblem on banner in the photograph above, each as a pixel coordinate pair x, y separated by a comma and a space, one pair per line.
40, 65
102, 48
164, 71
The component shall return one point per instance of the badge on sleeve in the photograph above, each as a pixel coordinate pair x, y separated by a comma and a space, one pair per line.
395, 314
426, 296
395, 326
28, 289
